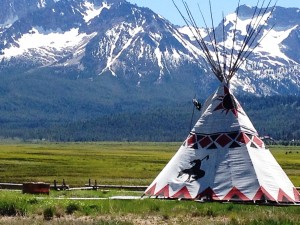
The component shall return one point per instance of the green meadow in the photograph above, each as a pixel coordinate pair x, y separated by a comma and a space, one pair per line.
76, 163
118, 163
121, 163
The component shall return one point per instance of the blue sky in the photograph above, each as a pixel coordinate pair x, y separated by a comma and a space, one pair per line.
168, 10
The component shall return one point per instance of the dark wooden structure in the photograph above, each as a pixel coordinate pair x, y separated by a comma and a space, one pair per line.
36, 188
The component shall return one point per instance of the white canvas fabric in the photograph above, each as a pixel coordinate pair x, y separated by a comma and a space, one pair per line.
223, 159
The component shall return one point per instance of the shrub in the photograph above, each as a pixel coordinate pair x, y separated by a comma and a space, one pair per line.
12, 207
48, 213
72, 207
8, 209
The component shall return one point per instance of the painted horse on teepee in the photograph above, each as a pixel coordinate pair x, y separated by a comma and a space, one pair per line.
239, 168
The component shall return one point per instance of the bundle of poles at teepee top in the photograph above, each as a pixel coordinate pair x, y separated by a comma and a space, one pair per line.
223, 157
224, 65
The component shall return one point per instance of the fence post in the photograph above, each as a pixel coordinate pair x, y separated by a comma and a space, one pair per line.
95, 185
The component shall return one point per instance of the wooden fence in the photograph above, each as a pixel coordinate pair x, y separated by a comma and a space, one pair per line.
89, 186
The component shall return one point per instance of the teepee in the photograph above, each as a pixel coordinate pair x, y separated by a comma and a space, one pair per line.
223, 158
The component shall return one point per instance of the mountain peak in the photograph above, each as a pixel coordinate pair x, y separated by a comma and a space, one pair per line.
94, 38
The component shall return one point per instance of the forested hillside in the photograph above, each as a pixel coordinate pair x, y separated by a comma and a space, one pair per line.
276, 116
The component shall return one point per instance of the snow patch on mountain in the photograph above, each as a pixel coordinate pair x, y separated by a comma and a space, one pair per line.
242, 24
114, 35
41, 3
245, 84
271, 44
190, 32
93, 11
39, 40
195, 51
159, 58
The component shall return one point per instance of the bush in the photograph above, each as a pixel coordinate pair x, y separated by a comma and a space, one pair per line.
72, 207
12, 208
8, 209
48, 213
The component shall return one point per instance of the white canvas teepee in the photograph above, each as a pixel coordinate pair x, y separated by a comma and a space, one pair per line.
223, 158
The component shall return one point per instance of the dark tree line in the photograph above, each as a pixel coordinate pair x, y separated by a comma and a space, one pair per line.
277, 117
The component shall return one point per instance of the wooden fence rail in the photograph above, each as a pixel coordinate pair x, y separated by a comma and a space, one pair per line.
13, 186
125, 187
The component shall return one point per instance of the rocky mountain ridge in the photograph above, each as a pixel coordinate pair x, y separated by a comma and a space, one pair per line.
90, 38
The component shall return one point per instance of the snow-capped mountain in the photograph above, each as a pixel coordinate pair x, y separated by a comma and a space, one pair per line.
273, 67
95, 38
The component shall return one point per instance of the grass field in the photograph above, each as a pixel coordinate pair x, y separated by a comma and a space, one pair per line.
118, 163
108, 163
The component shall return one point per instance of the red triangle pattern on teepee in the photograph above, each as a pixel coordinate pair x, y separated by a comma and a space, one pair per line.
262, 194
283, 197
243, 138
151, 190
209, 194
258, 142
183, 193
214, 141
235, 194
163, 192
297, 195
191, 140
